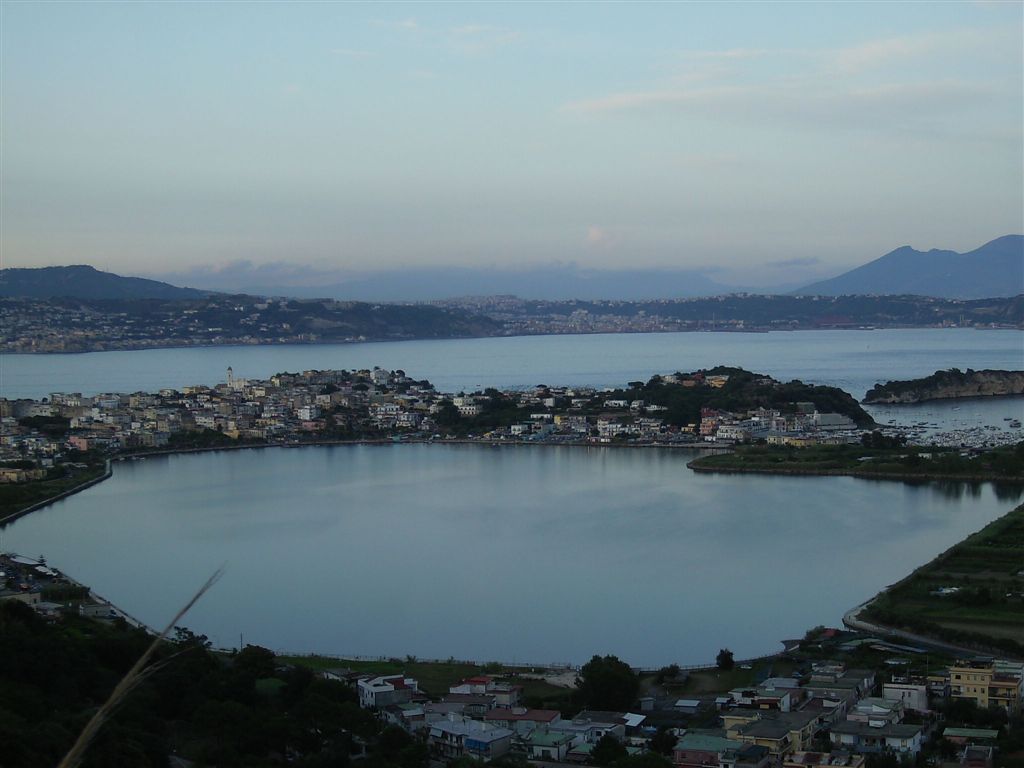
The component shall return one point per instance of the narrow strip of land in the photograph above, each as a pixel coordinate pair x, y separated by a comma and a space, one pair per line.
907, 463
968, 599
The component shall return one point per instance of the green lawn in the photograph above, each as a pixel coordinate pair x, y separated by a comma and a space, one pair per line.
15, 497
985, 569
718, 681
435, 678
1006, 463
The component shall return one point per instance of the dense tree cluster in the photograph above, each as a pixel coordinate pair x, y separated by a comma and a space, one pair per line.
743, 391
241, 710
607, 683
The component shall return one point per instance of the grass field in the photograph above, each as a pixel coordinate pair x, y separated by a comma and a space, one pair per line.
15, 497
435, 678
1003, 464
976, 587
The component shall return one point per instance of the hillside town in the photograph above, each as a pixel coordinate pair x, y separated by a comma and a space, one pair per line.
293, 408
55, 325
123, 319
827, 714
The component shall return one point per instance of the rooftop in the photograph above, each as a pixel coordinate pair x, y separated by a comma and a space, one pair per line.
891, 730
705, 743
970, 733
535, 715
545, 738
471, 728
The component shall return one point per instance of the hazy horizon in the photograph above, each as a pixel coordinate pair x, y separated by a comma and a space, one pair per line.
760, 145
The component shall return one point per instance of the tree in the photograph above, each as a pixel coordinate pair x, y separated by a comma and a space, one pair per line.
669, 673
186, 638
724, 659
447, 415
607, 750
663, 741
607, 683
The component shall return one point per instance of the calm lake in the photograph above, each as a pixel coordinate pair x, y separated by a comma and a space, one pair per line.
514, 553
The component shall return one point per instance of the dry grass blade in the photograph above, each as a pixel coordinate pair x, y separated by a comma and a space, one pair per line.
132, 678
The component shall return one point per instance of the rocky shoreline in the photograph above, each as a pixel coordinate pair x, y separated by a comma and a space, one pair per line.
948, 385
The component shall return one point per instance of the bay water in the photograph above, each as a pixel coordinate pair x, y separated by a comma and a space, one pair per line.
516, 554
852, 360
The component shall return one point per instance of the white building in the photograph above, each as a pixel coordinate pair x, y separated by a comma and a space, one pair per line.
308, 412
913, 695
378, 692
865, 737
454, 738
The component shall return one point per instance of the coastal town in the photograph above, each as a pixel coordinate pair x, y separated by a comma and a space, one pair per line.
291, 408
823, 713
36, 325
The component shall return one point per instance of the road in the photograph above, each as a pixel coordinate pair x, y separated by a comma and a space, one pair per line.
852, 620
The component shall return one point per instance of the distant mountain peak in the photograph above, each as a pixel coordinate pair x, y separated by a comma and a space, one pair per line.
995, 269
83, 281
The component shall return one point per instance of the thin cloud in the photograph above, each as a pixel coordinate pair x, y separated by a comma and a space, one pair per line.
473, 39
468, 39
807, 261
731, 54
477, 29
638, 99
351, 53
829, 88
408, 23
829, 63
705, 160
876, 53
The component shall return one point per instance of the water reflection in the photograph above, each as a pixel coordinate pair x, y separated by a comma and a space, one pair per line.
1008, 491
957, 489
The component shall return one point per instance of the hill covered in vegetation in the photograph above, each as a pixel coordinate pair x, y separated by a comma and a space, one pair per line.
84, 282
245, 709
79, 325
948, 384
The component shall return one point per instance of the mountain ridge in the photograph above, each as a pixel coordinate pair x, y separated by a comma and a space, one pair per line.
995, 269
83, 281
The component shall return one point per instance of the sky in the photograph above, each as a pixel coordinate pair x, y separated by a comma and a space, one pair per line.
751, 141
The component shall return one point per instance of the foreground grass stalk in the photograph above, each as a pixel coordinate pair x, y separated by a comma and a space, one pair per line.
133, 677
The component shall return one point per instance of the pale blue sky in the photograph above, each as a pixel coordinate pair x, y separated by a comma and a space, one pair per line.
151, 138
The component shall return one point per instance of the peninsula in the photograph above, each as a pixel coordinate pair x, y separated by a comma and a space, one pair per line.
876, 456
948, 384
55, 444
971, 594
